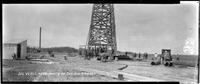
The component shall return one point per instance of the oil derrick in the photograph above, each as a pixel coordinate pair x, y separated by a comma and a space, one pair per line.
102, 29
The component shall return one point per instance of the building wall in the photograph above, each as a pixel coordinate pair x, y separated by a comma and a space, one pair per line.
9, 50
23, 49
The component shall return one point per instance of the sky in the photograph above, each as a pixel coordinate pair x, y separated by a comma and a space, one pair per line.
139, 27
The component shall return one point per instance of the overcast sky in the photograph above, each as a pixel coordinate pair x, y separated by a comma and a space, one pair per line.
139, 28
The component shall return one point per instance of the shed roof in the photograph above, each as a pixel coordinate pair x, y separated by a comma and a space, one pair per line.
13, 41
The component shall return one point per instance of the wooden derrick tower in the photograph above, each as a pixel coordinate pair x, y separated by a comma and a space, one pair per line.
102, 29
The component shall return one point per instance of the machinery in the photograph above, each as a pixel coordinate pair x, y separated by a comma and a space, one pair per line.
156, 60
165, 58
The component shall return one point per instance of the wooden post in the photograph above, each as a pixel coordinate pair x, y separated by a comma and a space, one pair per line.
120, 77
65, 57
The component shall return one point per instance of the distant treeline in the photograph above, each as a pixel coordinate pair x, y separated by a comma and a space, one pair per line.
54, 49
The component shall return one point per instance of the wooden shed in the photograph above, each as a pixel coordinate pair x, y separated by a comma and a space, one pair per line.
17, 49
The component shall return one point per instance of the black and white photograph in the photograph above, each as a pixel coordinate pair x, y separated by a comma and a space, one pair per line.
100, 42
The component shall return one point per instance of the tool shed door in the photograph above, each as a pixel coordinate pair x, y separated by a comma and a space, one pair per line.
18, 51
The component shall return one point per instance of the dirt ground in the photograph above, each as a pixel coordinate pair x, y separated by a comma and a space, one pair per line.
50, 72
78, 69
57, 69
176, 73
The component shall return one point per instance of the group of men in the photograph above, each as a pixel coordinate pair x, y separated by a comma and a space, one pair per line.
94, 52
139, 55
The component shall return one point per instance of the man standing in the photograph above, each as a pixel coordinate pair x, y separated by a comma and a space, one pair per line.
155, 55
157, 59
